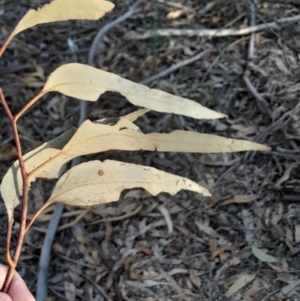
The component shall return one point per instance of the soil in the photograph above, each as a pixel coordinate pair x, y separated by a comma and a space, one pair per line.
182, 247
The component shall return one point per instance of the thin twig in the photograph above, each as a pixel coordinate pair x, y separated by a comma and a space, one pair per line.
98, 287
226, 173
24, 202
295, 157
260, 101
277, 125
216, 60
281, 37
117, 218
211, 32
252, 38
75, 220
103, 31
36, 215
208, 7
176, 66
13, 69
29, 105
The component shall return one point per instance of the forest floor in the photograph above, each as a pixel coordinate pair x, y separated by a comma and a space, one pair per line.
184, 247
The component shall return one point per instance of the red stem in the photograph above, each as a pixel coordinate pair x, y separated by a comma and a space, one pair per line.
6, 43
22, 230
28, 105
37, 213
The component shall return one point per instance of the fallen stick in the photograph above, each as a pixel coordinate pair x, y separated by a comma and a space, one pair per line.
211, 32
176, 66
260, 101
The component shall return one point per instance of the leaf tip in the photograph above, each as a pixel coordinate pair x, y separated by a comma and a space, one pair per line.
218, 115
206, 193
264, 148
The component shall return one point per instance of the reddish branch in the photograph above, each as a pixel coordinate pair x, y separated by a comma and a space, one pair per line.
24, 201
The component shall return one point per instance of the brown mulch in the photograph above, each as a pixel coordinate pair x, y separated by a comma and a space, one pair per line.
185, 247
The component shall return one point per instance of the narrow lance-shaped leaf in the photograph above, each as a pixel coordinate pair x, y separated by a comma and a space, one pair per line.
98, 182
121, 135
88, 83
132, 117
11, 186
61, 10
241, 281
93, 138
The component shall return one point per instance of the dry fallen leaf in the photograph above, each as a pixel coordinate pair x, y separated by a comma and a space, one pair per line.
194, 278
288, 169
61, 10
35, 79
242, 280
88, 83
289, 238
220, 250
96, 182
166, 214
70, 291
251, 292
288, 289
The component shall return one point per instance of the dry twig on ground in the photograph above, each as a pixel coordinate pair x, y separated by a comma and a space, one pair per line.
176, 66
211, 33
260, 101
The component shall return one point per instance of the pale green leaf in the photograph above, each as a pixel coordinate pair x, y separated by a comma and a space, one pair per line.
262, 256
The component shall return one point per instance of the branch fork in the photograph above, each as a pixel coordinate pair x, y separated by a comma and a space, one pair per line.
13, 261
